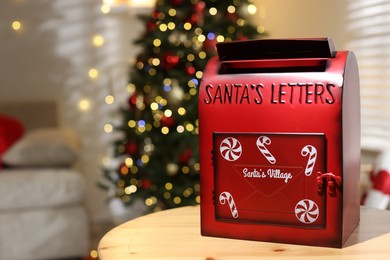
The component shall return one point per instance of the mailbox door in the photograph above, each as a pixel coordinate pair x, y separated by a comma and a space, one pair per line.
269, 178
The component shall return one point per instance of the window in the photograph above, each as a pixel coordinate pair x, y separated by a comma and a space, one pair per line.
369, 25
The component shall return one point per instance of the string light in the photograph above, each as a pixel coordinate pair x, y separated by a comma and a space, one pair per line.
108, 128
109, 99
231, 9
181, 111
252, 9
94, 254
129, 162
84, 105
98, 40
93, 73
168, 186
213, 11
172, 12
157, 42
16, 25
105, 8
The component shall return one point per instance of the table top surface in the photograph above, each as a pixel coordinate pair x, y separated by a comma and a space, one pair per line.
175, 234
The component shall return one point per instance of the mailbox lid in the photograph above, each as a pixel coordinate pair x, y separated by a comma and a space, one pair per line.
276, 49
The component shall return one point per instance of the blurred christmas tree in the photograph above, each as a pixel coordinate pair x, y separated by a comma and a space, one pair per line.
159, 148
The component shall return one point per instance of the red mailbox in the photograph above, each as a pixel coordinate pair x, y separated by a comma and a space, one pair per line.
280, 142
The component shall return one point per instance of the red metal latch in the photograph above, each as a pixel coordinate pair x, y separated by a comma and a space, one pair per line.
330, 180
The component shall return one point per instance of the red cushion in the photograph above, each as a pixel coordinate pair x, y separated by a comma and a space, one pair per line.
10, 131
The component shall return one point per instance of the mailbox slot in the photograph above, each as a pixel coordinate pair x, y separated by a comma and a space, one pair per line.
273, 66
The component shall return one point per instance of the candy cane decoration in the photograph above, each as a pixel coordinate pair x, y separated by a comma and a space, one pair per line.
261, 142
230, 149
312, 152
226, 196
307, 211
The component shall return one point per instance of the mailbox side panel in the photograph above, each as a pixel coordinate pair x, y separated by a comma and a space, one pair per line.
273, 103
351, 147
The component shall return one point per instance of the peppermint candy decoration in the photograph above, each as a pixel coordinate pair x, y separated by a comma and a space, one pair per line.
307, 211
230, 149
310, 151
227, 197
261, 142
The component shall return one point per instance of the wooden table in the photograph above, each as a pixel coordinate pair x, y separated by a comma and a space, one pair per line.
175, 234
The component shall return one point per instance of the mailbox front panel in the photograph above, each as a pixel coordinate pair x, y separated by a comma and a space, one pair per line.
269, 178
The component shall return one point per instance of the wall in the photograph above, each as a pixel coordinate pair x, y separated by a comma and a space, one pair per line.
305, 18
52, 54
50, 57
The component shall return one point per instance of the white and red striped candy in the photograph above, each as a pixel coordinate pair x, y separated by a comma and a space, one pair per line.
261, 142
310, 151
230, 149
227, 197
307, 211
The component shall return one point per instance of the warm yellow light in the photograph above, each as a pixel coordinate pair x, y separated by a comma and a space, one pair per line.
121, 5
189, 127
94, 254
157, 42
93, 73
149, 202
201, 38
106, 161
98, 40
220, 38
129, 162
187, 26
240, 22
177, 200
231, 9
181, 111
130, 189
152, 72
213, 11
168, 113
171, 26
142, 3
108, 128
165, 130
109, 99
84, 105
163, 27
260, 29
16, 25
172, 12
167, 81
185, 169
154, 106
145, 158
105, 9
252, 9
180, 129
132, 123
155, 62
168, 186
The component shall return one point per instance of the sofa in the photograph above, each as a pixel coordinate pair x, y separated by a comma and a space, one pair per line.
42, 194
